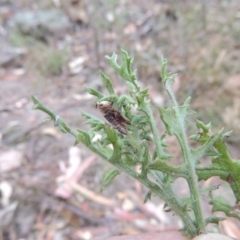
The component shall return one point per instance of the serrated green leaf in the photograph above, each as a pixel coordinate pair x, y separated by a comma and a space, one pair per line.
113, 62
194, 137
141, 98
63, 126
111, 134
107, 82
164, 74
214, 219
125, 100
223, 166
148, 196
166, 208
145, 157
91, 120
166, 156
77, 141
91, 134
146, 137
204, 127
84, 137
130, 161
94, 92
212, 153
169, 81
220, 205
144, 92
206, 148
98, 128
169, 119
155, 155
210, 171
108, 178
168, 179
162, 166
185, 110
125, 68
35, 101
139, 119
204, 132
227, 134
174, 117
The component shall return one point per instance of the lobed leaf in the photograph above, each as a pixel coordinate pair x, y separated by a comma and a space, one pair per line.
94, 92
107, 82
148, 196
108, 178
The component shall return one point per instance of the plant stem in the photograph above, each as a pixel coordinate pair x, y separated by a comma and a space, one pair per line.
148, 111
192, 182
167, 195
187, 156
58, 121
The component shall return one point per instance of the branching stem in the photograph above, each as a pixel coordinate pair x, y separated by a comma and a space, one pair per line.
189, 160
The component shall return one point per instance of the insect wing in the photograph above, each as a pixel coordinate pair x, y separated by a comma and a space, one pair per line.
113, 118
118, 116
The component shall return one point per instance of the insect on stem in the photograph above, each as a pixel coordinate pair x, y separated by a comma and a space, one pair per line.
113, 116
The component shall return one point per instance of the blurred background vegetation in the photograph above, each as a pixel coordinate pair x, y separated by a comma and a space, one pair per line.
56, 48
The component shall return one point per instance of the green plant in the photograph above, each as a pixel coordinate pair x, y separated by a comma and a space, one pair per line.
134, 148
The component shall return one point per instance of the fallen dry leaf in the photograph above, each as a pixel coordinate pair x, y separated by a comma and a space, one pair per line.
128, 205
6, 193
158, 212
10, 160
127, 216
53, 132
76, 65
70, 173
230, 227
91, 195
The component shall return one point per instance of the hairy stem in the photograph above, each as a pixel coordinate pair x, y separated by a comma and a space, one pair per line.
58, 121
166, 195
152, 123
192, 176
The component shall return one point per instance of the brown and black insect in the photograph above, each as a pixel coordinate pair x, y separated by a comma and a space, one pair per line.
113, 116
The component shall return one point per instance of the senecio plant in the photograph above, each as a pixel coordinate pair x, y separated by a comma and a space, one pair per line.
139, 143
